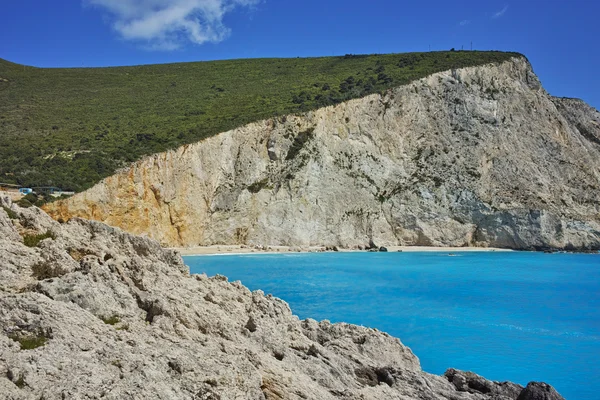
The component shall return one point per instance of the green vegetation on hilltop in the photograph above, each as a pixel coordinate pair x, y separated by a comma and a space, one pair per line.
71, 127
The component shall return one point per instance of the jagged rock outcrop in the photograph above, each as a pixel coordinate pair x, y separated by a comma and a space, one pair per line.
473, 383
94, 312
539, 391
479, 156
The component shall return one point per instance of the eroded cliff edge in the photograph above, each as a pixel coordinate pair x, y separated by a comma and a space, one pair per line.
479, 156
89, 311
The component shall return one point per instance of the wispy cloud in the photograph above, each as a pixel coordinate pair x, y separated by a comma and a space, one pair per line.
500, 13
169, 24
464, 22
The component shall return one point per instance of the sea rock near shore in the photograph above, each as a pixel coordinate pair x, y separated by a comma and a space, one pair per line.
94, 312
479, 156
539, 391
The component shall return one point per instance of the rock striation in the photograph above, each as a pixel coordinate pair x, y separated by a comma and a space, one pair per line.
90, 311
480, 156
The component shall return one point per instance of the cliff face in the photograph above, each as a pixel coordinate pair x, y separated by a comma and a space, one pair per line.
93, 312
479, 156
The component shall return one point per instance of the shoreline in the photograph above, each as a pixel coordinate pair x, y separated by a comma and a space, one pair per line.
241, 250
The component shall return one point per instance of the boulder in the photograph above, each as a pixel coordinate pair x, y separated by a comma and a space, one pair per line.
539, 391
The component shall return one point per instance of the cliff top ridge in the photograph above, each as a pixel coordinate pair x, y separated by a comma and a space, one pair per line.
95, 120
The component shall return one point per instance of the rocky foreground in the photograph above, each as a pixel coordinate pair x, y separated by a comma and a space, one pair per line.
88, 311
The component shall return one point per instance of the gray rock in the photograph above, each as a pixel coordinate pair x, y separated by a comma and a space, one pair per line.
539, 391
473, 383
124, 319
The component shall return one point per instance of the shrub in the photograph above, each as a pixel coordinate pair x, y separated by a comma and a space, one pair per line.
298, 143
113, 320
259, 185
31, 199
11, 213
45, 270
24, 203
29, 341
20, 383
34, 240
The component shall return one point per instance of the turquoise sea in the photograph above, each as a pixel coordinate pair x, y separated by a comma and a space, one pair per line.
507, 316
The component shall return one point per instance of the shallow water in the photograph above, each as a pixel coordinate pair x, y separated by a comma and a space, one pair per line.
507, 316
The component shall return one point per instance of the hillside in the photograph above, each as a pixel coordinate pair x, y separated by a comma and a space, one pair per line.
478, 156
71, 127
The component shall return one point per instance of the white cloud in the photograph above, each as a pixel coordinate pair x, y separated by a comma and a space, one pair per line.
500, 13
167, 24
464, 22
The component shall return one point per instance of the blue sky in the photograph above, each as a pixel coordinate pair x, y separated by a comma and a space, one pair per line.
560, 38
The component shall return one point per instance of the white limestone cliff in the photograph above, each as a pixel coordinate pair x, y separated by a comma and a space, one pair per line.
479, 156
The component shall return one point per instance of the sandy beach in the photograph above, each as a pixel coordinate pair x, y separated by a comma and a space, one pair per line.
237, 249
